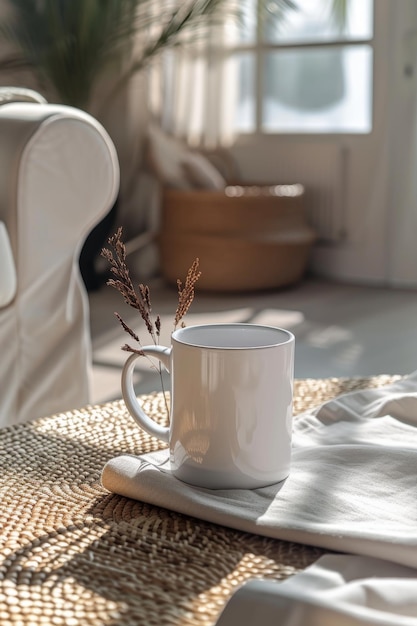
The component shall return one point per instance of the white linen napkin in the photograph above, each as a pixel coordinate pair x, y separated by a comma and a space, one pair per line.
337, 590
352, 486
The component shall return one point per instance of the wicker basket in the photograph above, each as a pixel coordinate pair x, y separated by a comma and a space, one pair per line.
251, 241
215, 212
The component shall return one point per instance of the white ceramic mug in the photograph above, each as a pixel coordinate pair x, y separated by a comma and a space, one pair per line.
231, 404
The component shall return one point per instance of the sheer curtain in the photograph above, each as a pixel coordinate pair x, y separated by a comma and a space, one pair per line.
193, 89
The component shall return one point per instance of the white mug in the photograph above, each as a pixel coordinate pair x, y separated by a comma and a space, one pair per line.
231, 404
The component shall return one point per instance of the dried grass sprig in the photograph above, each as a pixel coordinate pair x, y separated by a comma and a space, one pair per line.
127, 328
128, 348
141, 299
186, 293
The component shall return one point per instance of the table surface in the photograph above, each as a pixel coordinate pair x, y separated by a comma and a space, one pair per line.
73, 554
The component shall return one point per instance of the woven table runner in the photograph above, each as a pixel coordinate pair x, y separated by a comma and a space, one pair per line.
73, 554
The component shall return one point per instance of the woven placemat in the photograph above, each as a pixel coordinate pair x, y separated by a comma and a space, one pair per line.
73, 554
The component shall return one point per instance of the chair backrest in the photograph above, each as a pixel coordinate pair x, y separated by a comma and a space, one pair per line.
59, 176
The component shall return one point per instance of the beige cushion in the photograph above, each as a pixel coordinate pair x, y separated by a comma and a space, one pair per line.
179, 167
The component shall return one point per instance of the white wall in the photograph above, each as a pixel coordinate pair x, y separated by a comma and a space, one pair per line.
401, 227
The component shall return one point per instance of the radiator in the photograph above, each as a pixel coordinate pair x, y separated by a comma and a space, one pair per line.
322, 168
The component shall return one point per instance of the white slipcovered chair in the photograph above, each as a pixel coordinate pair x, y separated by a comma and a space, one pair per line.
59, 176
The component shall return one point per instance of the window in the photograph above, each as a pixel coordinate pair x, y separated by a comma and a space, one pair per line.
300, 69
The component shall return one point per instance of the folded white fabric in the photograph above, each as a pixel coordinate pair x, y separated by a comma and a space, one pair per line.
352, 486
336, 590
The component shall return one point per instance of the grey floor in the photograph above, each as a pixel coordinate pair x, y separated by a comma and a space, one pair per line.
340, 330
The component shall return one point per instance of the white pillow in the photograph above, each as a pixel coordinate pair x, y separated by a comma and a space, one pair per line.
177, 166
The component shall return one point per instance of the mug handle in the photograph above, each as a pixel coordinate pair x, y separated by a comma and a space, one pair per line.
163, 354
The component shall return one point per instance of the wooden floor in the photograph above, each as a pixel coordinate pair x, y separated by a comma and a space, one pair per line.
341, 330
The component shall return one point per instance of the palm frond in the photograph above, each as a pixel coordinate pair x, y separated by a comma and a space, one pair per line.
278, 8
71, 42
339, 13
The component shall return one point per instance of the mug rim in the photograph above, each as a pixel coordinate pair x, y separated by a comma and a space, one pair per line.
176, 336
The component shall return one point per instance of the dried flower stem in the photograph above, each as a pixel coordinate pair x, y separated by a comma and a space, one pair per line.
186, 293
141, 299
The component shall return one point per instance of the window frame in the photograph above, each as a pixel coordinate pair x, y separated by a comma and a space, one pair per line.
259, 48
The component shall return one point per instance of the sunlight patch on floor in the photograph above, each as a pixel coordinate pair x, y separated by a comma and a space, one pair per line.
325, 337
279, 318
